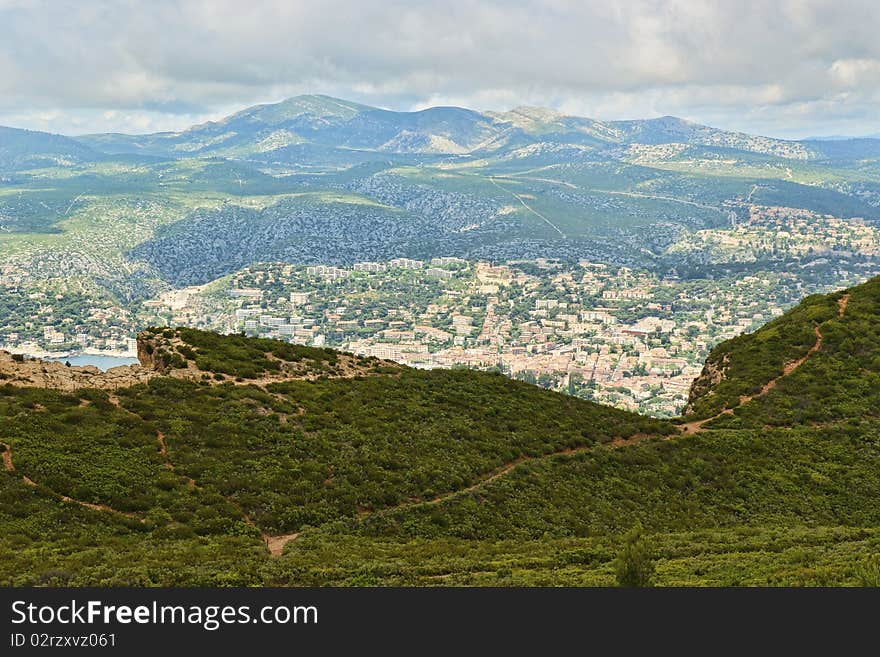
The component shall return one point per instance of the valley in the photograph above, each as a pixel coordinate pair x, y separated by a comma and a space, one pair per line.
443, 347
626, 224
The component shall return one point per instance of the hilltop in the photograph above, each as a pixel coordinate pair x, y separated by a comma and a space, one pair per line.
243, 461
194, 355
32, 149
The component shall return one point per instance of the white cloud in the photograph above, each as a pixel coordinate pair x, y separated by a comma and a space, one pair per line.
856, 73
788, 67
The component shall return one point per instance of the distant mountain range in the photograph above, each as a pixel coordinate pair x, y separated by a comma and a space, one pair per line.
319, 180
290, 129
331, 122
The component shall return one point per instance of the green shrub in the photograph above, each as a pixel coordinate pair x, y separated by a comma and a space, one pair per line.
634, 565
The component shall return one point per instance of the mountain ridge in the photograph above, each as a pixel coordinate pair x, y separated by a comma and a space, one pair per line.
19, 147
327, 120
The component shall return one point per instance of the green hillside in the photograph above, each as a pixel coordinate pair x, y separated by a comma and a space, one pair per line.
31, 149
244, 462
817, 365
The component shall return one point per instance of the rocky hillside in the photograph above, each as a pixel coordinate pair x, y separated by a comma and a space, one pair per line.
19, 370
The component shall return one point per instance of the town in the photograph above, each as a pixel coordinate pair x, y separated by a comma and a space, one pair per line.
632, 338
614, 335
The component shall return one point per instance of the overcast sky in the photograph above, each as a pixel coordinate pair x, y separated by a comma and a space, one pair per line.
789, 68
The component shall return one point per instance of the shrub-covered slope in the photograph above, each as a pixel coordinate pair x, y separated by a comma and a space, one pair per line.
249, 462
253, 457
817, 364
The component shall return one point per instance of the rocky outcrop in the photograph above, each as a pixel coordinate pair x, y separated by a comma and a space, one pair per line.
711, 376
30, 372
163, 352
146, 351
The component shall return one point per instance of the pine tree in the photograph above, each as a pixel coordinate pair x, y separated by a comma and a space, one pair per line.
634, 566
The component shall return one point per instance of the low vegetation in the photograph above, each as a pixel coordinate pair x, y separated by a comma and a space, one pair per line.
394, 476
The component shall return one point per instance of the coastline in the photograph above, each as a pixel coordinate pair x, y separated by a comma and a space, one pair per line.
42, 354
113, 353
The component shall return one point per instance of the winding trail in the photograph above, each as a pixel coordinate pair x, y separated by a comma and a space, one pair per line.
7, 457
274, 544
10, 467
270, 541
507, 468
698, 425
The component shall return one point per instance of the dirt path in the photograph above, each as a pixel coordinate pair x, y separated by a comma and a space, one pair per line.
89, 505
507, 468
698, 425
10, 467
163, 449
7, 458
788, 369
275, 544
754, 189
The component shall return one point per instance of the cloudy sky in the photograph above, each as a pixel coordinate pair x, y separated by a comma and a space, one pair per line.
787, 68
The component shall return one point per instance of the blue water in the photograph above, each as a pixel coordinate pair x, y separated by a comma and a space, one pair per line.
103, 363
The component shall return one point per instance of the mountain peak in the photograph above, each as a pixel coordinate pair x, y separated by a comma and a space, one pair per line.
536, 112
528, 117
295, 106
